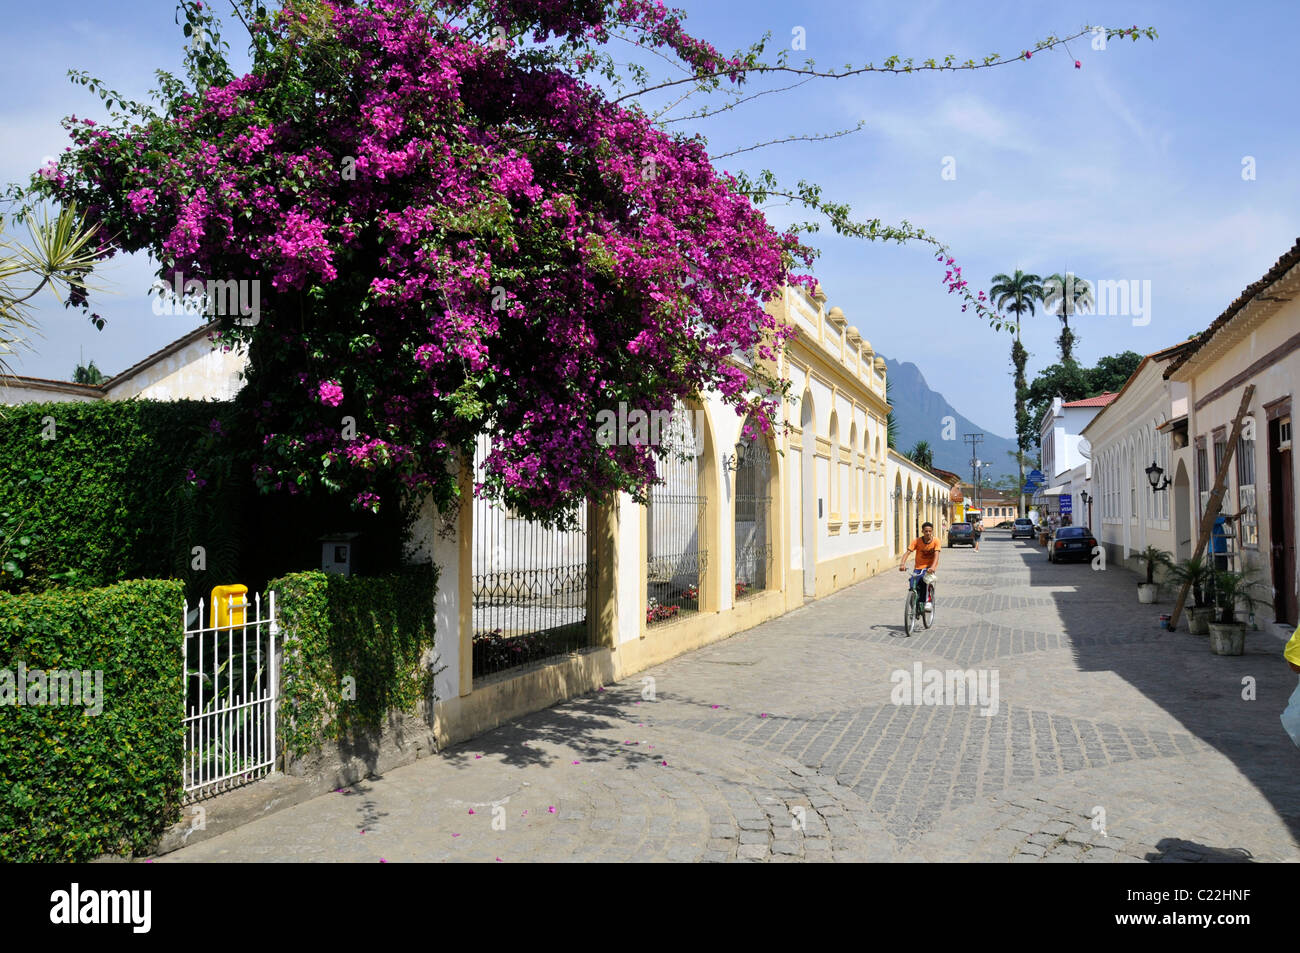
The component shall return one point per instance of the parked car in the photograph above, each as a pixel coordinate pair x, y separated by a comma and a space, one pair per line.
961, 533
1023, 527
1005, 524
1070, 544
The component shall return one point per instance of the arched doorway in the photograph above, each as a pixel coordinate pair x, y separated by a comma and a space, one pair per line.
1182, 514
912, 502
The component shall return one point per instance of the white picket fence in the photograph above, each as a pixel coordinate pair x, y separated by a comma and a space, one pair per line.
231, 690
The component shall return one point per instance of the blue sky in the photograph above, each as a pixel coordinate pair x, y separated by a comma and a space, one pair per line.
1129, 168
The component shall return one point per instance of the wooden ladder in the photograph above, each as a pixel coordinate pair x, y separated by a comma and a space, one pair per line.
1215, 503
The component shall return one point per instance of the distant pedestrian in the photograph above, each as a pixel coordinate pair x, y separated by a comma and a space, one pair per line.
977, 528
1219, 537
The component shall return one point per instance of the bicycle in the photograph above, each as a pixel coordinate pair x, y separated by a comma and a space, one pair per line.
913, 596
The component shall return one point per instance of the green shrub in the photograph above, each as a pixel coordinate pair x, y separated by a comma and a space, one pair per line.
73, 784
375, 630
127, 489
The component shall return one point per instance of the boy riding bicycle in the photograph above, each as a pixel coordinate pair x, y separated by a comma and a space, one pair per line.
926, 546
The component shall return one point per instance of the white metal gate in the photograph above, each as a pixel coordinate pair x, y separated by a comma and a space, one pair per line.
231, 688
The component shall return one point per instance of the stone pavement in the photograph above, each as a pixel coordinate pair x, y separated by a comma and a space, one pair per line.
1112, 740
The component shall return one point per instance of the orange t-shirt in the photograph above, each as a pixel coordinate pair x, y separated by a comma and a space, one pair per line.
927, 554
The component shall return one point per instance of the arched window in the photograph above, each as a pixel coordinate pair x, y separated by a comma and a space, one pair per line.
753, 516
548, 614
868, 477
675, 548
833, 471
854, 482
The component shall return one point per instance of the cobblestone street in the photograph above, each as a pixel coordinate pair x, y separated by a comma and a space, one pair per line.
1112, 740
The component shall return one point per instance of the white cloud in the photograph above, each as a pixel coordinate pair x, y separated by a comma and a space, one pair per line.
954, 123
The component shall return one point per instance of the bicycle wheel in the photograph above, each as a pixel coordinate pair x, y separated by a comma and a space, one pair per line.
909, 612
927, 616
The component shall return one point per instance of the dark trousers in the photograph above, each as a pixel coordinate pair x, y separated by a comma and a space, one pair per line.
924, 591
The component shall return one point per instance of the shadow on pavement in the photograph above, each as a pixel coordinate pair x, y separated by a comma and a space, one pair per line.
1207, 693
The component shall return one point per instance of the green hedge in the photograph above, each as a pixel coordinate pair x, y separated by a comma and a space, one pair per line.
114, 499
375, 630
116, 494
74, 785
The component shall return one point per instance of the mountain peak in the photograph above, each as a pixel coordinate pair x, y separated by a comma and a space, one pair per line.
921, 412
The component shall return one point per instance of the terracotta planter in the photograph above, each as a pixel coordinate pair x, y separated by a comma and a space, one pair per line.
1198, 620
1228, 638
1146, 593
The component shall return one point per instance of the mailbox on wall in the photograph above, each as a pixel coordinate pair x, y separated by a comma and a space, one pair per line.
228, 606
338, 553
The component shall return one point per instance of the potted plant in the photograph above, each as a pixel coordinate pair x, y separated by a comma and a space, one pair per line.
1154, 558
1234, 595
1196, 573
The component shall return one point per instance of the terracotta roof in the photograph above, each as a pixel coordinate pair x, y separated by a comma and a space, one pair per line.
947, 475
1101, 400
1280, 268
45, 383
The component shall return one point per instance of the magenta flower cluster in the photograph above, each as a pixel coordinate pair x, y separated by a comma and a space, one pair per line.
452, 240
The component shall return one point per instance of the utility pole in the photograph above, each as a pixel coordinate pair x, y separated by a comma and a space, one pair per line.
974, 439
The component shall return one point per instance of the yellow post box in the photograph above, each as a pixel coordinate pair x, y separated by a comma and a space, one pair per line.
229, 605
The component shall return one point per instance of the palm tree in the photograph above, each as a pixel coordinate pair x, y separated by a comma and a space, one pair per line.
61, 254
88, 374
1066, 295
891, 421
1017, 294
922, 454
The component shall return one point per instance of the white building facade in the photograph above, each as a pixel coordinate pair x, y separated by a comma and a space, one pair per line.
1130, 434
1067, 458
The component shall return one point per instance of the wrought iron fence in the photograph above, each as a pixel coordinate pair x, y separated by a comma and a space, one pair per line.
753, 518
676, 560
533, 588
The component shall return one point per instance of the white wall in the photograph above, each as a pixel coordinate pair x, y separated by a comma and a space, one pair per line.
197, 371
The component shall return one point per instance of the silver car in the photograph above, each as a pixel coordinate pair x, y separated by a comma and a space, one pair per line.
1022, 527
